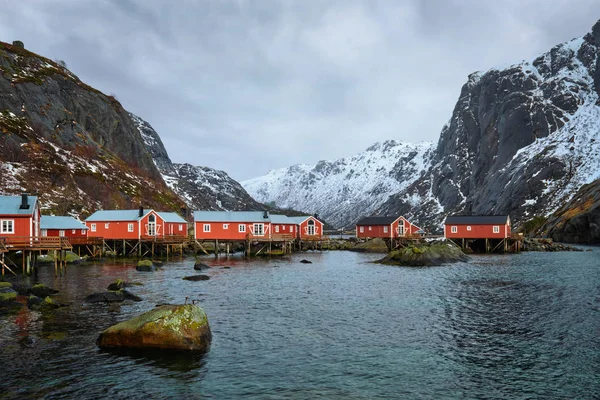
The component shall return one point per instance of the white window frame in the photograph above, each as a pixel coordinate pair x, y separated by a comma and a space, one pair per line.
93, 227
107, 225
61, 233
242, 228
454, 229
205, 227
385, 229
362, 229
130, 227
180, 227
262, 229
469, 228
4, 228
225, 226
83, 231
44, 232
73, 231
283, 228
370, 228
496, 229
276, 228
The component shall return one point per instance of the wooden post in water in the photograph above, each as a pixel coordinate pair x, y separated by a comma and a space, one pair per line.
216, 248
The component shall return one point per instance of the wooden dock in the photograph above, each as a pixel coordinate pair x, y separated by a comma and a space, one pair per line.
30, 247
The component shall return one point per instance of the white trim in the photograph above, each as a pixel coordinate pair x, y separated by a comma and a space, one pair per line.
469, 228
241, 228
12, 226
92, 227
130, 227
180, 227
225, 226
454, 229
496, 229
61, 233
206, 228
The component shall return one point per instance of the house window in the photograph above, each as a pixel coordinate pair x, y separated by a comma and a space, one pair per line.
129, 227
496, 229
225, 226
180, 227
454, 229
283, 228
44, 233
61, 233
106, 225
469, 228
362, 229
73, 231
241, 228
259, 229
206, 227
385, 229
370, 228
276, 228
93, 227
8, 226
83, 231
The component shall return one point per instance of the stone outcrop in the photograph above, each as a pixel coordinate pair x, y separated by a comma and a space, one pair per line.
371, 246
425, 255
179, 327
196, 278
112, 296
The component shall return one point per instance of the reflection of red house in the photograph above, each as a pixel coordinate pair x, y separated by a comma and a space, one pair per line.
309, 227
59, 226
477, 227
19, 216
385, 228
126, 224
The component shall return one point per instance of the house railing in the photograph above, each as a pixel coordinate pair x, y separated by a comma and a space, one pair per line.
35, 243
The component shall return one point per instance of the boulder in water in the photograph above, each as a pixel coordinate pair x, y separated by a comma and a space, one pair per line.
199, 266
180, 327
41, 290
39, 304
7, 293
425, 255
120, 284
305, 262
113, 296
146, 266
196, 278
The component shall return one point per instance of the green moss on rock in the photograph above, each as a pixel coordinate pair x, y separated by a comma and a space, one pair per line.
181, 327
425, 255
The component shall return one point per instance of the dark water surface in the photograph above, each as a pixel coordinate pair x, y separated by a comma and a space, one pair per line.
521, 326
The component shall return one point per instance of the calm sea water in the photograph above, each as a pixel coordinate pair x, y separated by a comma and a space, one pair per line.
521, 326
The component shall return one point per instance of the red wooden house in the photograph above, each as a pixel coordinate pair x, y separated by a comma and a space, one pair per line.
385, 228
174, 224
19, 216
231, 225
283, 225
125, 224
477, 227
308, 227
59, 226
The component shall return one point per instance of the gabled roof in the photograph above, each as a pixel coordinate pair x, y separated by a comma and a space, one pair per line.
59, 222
377, 221
230, 216
10, 205
301, 219
172, 217
116, 215
477, 220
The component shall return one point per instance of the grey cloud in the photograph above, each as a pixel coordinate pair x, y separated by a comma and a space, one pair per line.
247, 86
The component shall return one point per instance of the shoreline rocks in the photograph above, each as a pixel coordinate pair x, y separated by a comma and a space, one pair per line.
146, 266
422, 255
176, 327
371, 246
546, 245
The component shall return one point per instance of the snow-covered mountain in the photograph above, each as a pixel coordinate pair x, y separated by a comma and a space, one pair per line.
343, 190
521, 141
202, 188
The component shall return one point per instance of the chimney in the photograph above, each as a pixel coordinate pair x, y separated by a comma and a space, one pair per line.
265, 214
141, 214
24, 202
184, 212
316, 216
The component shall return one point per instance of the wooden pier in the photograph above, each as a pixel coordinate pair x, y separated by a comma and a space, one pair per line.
512, 244
31, 247
146, 245
252, 245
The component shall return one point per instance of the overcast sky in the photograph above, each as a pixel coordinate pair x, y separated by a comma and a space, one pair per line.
250, 86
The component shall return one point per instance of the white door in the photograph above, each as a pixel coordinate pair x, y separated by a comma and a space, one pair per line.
151, 225
259, 230
311, 228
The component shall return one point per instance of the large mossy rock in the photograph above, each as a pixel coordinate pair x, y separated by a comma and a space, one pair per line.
425, 255
181, 327
371, 246
121, 284
39, 304
199, 266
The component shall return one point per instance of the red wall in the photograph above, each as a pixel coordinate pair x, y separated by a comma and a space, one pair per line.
377, 231
302, 233
217, 232
283, 229
119, 229
22, 225
476, 232
172, 229
68, 233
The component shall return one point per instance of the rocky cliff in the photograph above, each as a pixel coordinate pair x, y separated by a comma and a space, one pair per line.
521, 141
343, 190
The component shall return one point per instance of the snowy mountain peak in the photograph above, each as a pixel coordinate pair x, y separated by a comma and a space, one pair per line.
344, 190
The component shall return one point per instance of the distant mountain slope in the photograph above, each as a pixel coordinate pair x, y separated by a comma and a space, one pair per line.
202, 188
343, 190
521, 141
